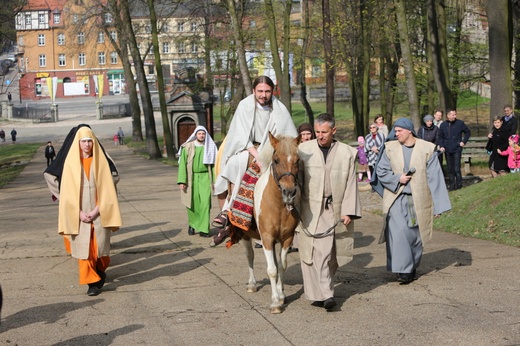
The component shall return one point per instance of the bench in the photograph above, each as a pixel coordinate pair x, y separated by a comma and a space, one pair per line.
475, 148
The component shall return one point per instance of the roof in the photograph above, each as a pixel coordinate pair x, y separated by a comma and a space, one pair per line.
35, 5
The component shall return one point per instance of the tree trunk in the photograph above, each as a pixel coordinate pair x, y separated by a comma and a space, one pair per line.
167, 134
303, 90
329, 63
413, 99
146, 100
500, 38
236, 25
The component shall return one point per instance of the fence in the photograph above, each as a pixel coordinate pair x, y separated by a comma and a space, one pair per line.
37, 114
120, 110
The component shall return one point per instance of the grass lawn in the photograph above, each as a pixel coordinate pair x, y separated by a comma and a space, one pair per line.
12, 157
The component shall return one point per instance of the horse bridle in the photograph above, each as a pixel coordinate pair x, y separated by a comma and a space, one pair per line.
278, 177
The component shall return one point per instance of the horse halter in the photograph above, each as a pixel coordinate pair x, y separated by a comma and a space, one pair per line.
278, 177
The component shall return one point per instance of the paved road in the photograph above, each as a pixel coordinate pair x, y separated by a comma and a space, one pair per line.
167, 288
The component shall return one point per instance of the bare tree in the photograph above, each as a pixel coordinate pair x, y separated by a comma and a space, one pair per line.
330, 70
235, 16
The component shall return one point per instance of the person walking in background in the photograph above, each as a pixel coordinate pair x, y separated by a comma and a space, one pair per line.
373, 141
9, 97
306, 132
2, 135
195, 179
453, 135
428, 131
50, 154
116, 139
510, 121
381, 127
513, 154
438, 117
84, 180
13, 135
362, 160
329, 194
497, 140
413, 190
121, 136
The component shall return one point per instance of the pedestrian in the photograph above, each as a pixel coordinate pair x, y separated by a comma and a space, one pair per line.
50, 154
510, 121
195, 179
9, 97
329, 203
256, 115
120, 136
413, 191
381, 127
116, 139
428, 131
362, 161
453, 135
83, 177
437, 117
498, 140
306, 132
373, 141
2, 135
13, 135
513, 154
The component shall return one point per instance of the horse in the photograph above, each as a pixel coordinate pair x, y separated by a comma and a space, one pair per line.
275, 218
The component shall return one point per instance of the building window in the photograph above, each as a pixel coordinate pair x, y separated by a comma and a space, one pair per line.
101, 58
82, 60
165, 28
61, 60
166, 47
20, 41
42, 19
193, 26
194, 47
148, 29
61, 39
180, 26
113, 35
57, 18
27, 19
108, 18
42, 60
113, 58
81, 38
41, 39
180, 47
252, 24
75, 18
101, 37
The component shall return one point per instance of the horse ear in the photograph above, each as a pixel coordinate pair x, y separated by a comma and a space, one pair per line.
273, 139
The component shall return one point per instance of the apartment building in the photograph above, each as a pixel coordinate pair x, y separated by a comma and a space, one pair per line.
64, 51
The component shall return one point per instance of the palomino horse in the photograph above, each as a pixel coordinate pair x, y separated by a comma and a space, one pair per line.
276, 219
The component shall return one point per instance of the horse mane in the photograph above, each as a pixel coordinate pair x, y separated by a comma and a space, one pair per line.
286, 144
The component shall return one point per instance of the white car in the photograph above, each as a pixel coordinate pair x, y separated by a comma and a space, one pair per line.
12, 57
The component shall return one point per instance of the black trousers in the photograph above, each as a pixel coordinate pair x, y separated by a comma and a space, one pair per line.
454, 173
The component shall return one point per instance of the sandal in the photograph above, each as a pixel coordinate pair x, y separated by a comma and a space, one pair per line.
221, 220
219, 238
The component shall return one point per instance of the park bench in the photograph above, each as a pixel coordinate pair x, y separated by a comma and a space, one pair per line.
475, 148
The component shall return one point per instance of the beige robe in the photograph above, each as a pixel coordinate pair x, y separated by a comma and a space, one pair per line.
341, 162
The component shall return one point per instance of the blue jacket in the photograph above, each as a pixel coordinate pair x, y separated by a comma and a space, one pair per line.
451, 133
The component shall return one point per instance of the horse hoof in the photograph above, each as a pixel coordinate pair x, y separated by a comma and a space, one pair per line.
277, 310
251, 289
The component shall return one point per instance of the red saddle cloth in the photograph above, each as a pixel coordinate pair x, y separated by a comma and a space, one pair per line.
241, 213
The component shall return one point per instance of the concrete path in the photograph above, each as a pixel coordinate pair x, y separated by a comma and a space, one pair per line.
167, 288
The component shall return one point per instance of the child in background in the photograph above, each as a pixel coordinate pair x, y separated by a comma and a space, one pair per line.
513, 151
116, 139
362, 160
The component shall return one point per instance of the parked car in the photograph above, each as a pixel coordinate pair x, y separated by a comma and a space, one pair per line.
12, 57
4, 67
227, 96
8, 62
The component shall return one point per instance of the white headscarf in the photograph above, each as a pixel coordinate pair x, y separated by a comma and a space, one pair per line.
210, 148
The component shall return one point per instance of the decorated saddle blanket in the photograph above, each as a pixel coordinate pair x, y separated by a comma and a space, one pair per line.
241, 213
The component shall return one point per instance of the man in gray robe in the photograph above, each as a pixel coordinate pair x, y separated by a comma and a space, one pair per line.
414, 191
329, 204
255, 116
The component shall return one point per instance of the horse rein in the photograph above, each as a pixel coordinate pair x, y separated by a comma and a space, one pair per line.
278, 177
